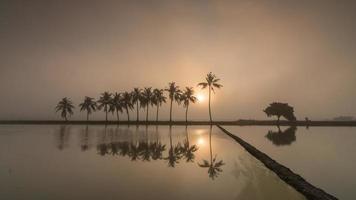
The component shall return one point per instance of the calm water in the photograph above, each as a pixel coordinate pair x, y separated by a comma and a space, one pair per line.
325, 156
98, 162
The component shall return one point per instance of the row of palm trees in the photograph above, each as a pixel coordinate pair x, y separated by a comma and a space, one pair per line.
139, 98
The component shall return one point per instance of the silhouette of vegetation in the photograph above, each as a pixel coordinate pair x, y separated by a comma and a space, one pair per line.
147, 97
158, 99
214, 166
136, 98
66, 107
174, 94
116, 105
286, 137
280, 110
188, 97
104, 103
127, 103
211, 83
187, 150
89, 104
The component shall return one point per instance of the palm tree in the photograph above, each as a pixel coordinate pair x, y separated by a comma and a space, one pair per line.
187, 97
66, 107
127, 103
188, 151
136, 98
146, 100
214, 166
158, 99
211, 83
104, 102
174, 95
116, 105
89, 104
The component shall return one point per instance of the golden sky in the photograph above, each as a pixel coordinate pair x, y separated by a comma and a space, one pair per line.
300, 52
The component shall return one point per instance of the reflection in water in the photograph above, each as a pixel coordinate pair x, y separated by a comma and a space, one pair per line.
174, 153
214, 166
62, 137
285, 137
84, 139
188, 151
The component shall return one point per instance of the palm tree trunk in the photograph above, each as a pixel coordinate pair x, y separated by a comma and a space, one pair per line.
211, 120
157, 113
87, 116
128, 115
147, 114
170, 112
106, 116
186, 115
211, 150
137, 118
117, 115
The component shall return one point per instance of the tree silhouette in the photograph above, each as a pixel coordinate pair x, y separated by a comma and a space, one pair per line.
89, 104
174, 152
104, 103
158, 99
65, 106
174, 95
116, 105
127, 103
279, 110
187, 97
136, 97
214, 166
211, 83
146, 101
187, 150
286, 137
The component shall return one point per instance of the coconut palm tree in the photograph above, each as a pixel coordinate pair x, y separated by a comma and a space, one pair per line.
127, 103
211, 83
158, 99
146, 101
66, 107
116, 105
136, 97
104, 102
187, 149
89, 104
174, 95
187, 97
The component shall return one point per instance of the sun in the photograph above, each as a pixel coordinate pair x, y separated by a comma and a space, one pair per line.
200, 97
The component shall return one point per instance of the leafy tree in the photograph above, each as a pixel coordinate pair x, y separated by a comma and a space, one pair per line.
158, 99
89, 104
136, 97
65, 106
104, 103
187, 98
280, 110
211, 83
174, 95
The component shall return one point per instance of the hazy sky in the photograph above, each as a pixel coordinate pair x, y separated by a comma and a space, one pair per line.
300, 52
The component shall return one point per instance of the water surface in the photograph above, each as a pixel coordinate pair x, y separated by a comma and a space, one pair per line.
120, 162
325, 156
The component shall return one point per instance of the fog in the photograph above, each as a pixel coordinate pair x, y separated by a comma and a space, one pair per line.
299, 52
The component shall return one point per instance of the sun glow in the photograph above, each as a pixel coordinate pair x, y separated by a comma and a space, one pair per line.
201, 141
200, 97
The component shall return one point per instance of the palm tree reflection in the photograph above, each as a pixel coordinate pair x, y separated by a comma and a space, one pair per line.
63, 137
214, 166
174, 152
187, 150
84, 139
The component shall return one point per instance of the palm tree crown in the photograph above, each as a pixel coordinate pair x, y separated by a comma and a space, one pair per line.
158, 99
136, 98
127, 103
187, 97
89, 104
146, 101
104, 103
66, 107
211, 83
174, 95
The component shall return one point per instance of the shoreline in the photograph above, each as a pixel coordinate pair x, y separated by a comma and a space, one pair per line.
181, 123
287, 175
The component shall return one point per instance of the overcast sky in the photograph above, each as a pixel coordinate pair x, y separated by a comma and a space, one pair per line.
300, 52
